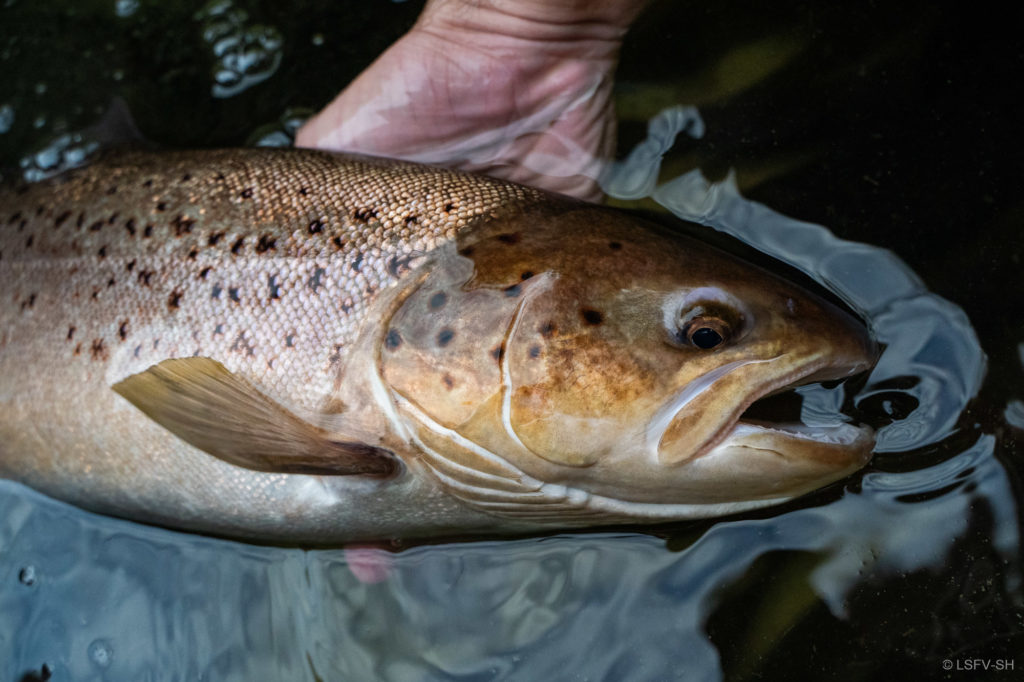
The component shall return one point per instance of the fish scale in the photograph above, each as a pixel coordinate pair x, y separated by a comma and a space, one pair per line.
214, 254
297, 346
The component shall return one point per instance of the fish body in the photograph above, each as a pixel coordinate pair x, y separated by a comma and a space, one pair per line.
298, 346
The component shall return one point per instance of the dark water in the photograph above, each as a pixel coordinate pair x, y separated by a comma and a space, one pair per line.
897, 128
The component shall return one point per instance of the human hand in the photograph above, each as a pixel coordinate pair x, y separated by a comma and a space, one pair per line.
519, 90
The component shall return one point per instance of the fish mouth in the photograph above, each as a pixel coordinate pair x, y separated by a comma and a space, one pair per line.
769, 421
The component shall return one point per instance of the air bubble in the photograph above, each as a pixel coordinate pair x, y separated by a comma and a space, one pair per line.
6, 117
101, 653
27, 575
246, 54
64, 152
126, 8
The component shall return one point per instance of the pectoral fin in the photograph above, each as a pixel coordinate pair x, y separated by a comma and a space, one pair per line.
201, 402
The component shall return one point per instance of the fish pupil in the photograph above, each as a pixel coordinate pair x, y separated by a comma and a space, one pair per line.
706, 338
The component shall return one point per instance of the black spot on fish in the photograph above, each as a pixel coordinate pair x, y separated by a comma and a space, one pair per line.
144, 277
28, 242
246, 193
111, 282
130, 226
174, 300
614, 246
449, 207
162, 206
358, 262
193, 253
449, 382
220, 177
236, 248
526, 274
22, 224
112, 190
214, 238
156, 343
498, 352
233, 294
265, 244
28, 302
370, 290
274, 289
113, 218
122, 331
316, 227
138, 349
347, 306
289, 341
303, 191
336, 355
393, 340
147, 183
102, 253
204, 272
14, 218
95, 294
591, 316
130, 265
96, 226
512, 291
397, 264
314, 281
78, 349
71, 333
509, 238
61, 218
80, 221
467, 251
534, 351
364, 214
39, 209
148, 230
338, 243
242, 344
219, 329
182, 225
411, 220
99, 351
445, 336
438, 300
186, 177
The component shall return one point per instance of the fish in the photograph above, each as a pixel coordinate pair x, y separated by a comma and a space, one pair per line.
296, 346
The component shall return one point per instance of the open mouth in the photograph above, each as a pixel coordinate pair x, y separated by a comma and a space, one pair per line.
783, 412
700, 420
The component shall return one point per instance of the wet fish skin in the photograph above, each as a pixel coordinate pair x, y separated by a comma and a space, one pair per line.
310, 277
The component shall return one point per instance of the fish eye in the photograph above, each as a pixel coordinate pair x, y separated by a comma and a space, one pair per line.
707, 327
705, 332
705, 337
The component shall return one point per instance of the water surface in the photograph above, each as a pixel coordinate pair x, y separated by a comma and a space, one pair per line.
891, 127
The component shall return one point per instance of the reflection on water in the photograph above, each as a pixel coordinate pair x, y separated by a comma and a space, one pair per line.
135, 602
912, 562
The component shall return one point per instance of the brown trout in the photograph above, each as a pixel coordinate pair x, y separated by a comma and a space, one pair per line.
296, 346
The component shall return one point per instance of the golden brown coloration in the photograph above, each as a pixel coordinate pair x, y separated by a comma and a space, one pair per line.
292, 345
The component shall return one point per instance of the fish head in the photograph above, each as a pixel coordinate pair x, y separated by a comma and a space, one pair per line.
617, 357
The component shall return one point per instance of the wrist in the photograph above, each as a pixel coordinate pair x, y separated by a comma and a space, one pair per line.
597, 26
